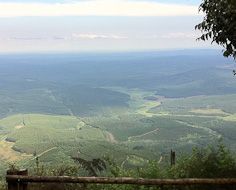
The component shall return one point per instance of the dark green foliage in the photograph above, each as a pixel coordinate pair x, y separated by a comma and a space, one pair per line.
82, 100
219, 24
9, 139
62, 169
215, 161
93, 167
210, 162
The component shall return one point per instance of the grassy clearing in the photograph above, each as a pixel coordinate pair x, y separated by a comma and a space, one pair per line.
230, 118
139, 102
146, 106
209, 103
8, 154
209, 112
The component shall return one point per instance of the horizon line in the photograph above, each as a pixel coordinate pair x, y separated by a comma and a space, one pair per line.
107, 51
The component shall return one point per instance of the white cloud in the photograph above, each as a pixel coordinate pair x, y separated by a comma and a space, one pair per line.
92, 36
73, 36
97, 8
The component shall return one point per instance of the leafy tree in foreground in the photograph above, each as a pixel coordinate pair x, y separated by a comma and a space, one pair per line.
219, 24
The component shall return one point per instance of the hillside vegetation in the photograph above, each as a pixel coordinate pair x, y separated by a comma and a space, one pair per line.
134, 107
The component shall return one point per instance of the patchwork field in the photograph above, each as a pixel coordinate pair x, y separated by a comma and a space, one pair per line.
147, 129
132, 107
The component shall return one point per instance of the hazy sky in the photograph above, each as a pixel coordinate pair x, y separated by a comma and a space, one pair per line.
98, 25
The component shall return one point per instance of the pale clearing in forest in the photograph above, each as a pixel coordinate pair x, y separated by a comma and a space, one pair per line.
209, 111
110, 137
7, 153
144, 109
230, 118
19, 126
